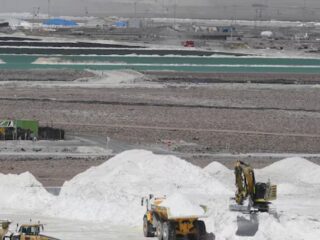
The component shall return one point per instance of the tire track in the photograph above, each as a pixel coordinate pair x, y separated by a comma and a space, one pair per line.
227, 131
173, 105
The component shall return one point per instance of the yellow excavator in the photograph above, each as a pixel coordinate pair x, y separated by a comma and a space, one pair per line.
251, 196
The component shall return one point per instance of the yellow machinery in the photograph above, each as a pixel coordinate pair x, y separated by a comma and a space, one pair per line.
2, 131
25, 232
4, 228
158, 222
258, 195
29, 232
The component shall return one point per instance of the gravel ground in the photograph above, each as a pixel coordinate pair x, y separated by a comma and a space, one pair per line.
42, 75
214, 118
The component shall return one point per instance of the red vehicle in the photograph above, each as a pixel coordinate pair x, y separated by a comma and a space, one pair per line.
188, 43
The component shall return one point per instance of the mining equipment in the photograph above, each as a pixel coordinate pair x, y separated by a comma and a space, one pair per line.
251, 196
24, 232
31, 232
4, 230
158, 222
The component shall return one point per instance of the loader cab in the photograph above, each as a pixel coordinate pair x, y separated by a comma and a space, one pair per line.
151, 200
146, 201
30, 231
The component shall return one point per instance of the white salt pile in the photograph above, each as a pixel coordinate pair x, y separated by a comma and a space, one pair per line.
221, 172
22, 192
112, 191
180, 206
292, 170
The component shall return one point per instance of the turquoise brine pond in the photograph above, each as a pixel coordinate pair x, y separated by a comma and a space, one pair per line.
164, 63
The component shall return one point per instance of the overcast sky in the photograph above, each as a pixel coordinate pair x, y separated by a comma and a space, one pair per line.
196, 8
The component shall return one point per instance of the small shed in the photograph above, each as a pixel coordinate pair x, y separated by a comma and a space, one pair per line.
121, 24
226, 29
60, 22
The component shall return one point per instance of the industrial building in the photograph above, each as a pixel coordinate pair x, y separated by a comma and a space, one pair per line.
28, 130
18, 129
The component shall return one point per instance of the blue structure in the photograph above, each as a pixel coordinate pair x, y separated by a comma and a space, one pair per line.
60, 22
121, 24
226, 29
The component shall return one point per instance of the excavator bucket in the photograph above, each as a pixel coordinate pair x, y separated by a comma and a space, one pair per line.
247, 225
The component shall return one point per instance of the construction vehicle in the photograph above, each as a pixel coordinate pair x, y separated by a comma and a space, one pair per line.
251, 196
158, 222
30, 232
24, 232
4, 231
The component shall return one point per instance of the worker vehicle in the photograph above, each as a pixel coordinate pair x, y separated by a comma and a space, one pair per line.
188, 43
251, 196
158, 222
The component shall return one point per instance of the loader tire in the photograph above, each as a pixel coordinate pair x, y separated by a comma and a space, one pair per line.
147, 228
201, 231
169, 231
159, 230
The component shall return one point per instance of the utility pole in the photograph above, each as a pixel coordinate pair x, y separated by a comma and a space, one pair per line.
49, 3
234, 20
304, 10
174, 12
163, 9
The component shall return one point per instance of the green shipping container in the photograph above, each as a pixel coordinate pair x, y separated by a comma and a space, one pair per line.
32, 125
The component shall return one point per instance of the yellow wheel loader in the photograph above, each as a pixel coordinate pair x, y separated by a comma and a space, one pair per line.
251, 196
158, 222
4, 231
30, 232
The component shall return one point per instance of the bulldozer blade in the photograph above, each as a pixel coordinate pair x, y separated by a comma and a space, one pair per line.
247, 227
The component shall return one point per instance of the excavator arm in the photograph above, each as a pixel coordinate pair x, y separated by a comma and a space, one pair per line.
245, 182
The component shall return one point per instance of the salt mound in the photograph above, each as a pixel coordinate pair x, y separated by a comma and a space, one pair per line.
217, 168
288, 189
220, 172
113, 190
294, 169
180, 206
112, 77
22, 192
